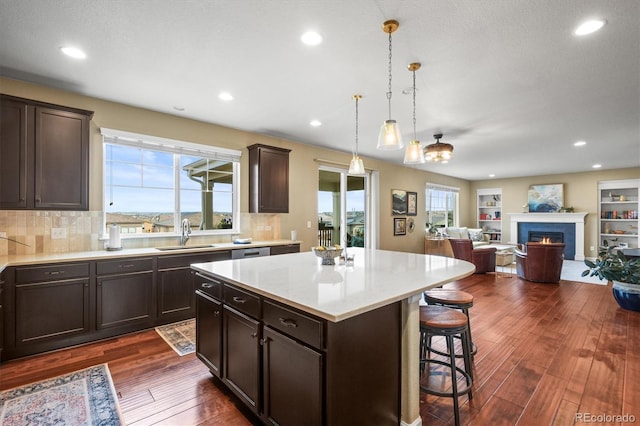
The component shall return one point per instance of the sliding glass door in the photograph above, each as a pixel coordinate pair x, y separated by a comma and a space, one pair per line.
343, 215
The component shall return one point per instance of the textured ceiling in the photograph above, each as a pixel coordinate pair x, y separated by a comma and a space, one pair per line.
507, 82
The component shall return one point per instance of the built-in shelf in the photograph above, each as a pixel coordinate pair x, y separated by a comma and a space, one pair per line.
489, 202
618, 213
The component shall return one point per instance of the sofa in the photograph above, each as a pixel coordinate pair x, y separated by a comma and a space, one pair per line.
474, 234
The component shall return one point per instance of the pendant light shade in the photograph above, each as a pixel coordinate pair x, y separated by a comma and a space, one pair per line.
438, 152
356, 166
390, 137
413, 153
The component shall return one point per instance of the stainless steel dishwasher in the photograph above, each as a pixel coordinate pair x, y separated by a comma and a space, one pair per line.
250, 252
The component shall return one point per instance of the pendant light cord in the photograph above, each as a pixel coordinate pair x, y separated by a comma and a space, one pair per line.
414, 105
357, 98
389, 92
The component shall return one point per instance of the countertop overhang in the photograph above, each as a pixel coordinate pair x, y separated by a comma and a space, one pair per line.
338, 292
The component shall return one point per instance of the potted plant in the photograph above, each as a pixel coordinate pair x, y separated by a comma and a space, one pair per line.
612, 265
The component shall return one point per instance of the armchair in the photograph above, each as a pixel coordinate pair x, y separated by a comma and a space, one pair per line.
484, 259
539, 262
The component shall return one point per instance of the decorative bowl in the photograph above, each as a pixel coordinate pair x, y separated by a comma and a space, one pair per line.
327, 254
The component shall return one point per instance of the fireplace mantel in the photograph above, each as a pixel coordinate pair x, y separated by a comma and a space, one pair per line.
577, 218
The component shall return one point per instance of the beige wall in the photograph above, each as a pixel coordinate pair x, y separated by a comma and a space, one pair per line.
580, 192
303, 172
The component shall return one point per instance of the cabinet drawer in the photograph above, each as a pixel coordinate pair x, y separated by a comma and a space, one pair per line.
58, 272
184, 260
241, 300
289, 248
124, 266
296, 325
209, 286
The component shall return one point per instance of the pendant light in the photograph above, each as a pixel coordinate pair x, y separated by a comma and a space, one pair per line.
438, 152
356, 167
390, 137
413, 153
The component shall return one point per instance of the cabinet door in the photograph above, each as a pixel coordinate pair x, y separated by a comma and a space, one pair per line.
62, 159
241, 357
124, 299
13, 154
292, 376
209, 332
51, 310
268, 179
176, 294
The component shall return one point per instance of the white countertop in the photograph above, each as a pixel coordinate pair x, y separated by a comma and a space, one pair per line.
338, 292
34, 259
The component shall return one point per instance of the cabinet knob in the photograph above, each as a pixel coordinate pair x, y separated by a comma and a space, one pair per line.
216, 313
254, 334
264, 341
207, 285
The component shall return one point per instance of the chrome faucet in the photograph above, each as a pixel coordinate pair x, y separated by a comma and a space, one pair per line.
185, 231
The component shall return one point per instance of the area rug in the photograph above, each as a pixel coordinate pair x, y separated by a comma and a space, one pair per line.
181, 336
572, 271
85, 397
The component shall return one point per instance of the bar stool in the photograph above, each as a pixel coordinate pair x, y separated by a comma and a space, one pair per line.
446, 322
455, 299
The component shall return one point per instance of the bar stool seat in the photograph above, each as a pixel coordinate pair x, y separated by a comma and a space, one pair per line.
455, 299
445, 322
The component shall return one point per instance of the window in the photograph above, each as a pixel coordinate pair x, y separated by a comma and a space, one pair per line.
151, 184
442, 205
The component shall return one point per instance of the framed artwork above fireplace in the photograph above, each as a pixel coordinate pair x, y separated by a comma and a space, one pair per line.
546, 198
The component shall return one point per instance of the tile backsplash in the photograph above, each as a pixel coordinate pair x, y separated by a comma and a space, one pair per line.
49, 232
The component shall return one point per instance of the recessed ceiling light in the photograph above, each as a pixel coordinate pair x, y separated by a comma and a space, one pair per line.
589, 27
315, 123
74, 52
492, 175
596, 166
579, 143
225, 96
311, 38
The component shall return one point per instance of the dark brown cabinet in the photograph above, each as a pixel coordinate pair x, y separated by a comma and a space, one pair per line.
44, 155
292, 377
241, 349
51, 303
268, 179
209, 332
177, 284
289, 248
124, 295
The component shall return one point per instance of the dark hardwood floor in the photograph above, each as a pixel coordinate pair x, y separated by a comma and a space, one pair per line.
546, 354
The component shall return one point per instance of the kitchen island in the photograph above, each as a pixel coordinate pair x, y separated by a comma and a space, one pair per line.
300, 342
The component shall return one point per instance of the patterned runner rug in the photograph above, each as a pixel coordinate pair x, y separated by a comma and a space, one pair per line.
84, 397
181, 336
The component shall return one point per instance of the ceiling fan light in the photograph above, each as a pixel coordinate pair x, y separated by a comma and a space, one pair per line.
438, 152
390, 137
356, 167
414, 153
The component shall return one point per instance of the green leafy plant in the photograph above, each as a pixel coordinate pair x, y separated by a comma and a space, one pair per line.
431, 228
612, 265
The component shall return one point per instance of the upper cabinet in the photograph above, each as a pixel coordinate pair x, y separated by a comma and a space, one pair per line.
618, 211
268, 179
490, 212
44, 155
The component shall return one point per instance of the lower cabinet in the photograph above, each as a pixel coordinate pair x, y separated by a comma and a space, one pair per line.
51, 310
124, 295
292, 381
209, 332
241, 349
288, 248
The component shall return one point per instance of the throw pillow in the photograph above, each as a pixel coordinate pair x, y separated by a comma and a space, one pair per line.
475, 235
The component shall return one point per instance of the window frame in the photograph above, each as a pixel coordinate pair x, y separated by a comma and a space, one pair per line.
456, 201
177, 148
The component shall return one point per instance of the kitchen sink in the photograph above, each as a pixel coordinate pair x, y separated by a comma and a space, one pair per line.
198, 246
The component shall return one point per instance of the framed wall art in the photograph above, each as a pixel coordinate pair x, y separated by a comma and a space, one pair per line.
412, 203
546, 198
398, 202
399, 226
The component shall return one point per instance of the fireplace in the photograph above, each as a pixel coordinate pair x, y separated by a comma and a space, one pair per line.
571, 225
546, 236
